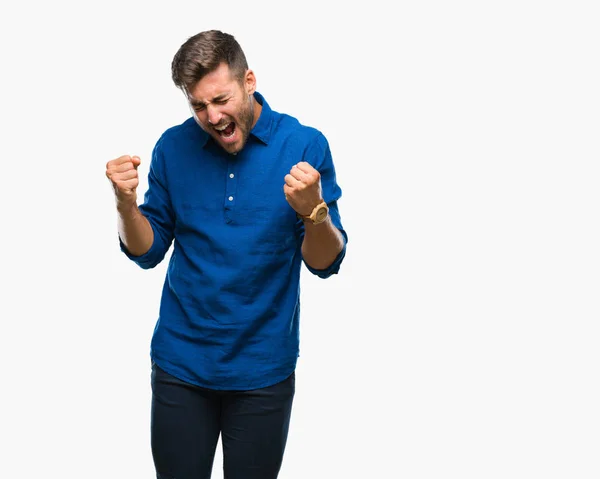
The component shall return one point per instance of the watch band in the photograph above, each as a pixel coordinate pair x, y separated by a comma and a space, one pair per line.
318, 214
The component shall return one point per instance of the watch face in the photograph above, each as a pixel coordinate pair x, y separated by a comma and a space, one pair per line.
321, 214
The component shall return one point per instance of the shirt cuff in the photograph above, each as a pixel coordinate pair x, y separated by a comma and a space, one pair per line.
333, 268
147, 260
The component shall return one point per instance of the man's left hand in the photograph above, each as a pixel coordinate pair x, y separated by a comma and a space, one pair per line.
302, 188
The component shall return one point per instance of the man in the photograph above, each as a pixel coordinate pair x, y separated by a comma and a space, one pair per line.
245, 195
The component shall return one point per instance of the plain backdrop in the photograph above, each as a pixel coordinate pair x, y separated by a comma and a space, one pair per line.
460, 339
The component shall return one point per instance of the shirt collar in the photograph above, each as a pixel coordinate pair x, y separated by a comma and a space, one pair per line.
262, 129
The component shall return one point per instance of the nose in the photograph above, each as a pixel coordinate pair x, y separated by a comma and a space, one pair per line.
213, 113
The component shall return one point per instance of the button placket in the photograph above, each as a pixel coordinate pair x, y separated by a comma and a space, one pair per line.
230, 190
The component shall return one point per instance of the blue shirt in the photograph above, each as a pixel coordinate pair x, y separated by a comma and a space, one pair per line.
230, 306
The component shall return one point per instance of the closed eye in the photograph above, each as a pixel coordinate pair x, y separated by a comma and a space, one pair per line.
202, 107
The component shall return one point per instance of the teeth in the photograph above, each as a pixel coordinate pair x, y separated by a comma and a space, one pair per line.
221, 128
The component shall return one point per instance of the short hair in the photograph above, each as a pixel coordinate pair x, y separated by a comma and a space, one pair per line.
202, 54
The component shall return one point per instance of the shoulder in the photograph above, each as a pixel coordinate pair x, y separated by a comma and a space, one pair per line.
306, 134
179, 135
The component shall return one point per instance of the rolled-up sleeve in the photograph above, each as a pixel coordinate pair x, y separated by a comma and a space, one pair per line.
319, 156
158, 210
334, 267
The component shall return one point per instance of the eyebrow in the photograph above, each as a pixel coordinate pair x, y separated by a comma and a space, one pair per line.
194, 102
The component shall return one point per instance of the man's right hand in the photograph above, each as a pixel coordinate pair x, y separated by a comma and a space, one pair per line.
123, 175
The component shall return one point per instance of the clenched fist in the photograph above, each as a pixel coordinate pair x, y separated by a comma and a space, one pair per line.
123, 176
302, 188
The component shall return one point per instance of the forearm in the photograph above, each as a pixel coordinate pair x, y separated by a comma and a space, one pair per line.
134, 229
322, 243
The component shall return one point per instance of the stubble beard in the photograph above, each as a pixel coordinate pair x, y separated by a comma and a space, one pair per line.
246, 118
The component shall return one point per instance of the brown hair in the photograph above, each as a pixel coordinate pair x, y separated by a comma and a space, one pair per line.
203, 53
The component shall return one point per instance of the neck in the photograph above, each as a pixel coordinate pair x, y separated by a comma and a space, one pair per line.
257, 108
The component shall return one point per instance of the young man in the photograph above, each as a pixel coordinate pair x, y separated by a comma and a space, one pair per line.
245, 195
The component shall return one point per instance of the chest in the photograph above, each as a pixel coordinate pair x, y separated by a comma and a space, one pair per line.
245, 189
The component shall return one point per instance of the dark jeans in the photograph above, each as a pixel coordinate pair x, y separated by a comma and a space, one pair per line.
186, 422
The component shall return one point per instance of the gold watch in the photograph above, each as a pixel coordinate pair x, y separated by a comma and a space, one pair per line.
318, 215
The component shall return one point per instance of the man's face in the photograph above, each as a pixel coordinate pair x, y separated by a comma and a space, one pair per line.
224, 108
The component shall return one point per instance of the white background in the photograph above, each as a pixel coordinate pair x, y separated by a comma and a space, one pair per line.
460, 339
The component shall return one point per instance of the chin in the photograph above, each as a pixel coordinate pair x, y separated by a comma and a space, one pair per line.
232, 150
235, 147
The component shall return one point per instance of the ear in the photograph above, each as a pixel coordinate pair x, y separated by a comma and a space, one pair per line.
250, 82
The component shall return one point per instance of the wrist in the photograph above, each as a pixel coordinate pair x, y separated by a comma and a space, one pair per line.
126, 206
318, 215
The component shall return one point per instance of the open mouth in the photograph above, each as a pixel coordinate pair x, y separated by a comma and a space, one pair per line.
226, 131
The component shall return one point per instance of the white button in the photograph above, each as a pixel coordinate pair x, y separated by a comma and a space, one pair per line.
231, 198
231, 175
